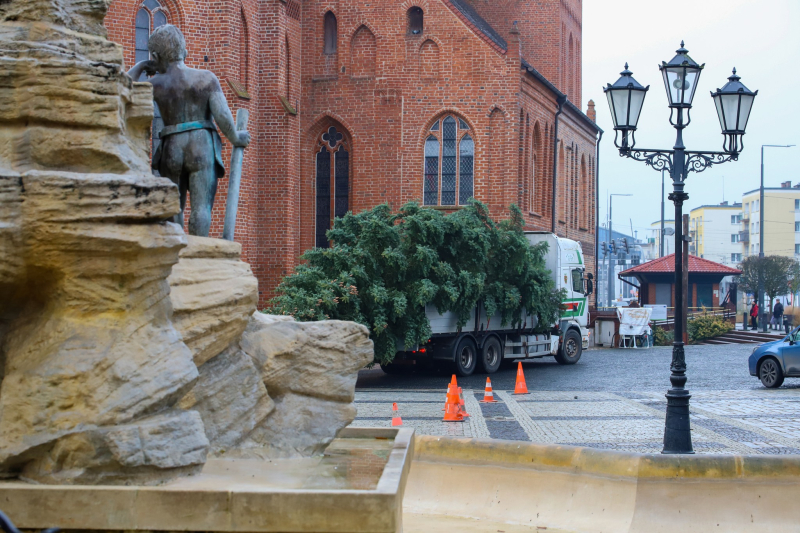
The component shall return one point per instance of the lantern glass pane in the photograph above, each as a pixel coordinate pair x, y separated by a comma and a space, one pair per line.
730, 107
720, 114
691, 85
621, 106
680, 84
744, 112
637, 99
609, 96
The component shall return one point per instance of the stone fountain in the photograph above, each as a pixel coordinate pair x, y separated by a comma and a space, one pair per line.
139, 387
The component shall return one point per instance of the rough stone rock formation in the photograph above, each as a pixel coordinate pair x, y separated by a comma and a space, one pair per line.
92, 366
213, 294
231, 398
310, 370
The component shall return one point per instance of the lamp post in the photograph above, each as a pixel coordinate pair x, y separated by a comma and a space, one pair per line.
611, 266
733, 102
762, 313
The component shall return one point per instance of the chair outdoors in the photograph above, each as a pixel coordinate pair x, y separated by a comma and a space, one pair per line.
633, 327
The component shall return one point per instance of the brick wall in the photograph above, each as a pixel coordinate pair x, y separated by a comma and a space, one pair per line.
383, 87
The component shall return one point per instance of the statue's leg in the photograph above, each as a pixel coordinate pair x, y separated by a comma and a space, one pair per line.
171, 167
203, 188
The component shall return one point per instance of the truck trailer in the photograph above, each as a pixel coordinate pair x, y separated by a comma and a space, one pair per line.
483, 343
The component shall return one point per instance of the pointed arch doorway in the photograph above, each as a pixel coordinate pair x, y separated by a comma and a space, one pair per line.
332, 182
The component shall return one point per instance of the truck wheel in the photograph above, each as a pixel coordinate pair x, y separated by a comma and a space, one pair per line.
770, 373
491, 355
570, 350
466, 357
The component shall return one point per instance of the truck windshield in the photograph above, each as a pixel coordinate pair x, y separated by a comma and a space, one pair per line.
577, 280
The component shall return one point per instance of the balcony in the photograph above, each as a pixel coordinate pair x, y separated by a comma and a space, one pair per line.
744, 236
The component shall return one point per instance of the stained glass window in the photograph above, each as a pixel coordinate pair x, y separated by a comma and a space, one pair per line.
323, 223
431, 170
332, 181
449, 163
466, 163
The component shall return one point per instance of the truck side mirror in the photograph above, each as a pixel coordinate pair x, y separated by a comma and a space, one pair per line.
589, 287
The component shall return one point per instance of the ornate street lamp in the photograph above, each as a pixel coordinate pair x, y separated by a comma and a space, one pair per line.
626, 98
734, 102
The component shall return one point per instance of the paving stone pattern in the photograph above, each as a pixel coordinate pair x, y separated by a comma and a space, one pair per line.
743, 419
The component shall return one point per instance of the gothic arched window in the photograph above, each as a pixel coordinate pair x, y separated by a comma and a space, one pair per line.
331, 33
416, 20
150, 16
449, 163
333, 182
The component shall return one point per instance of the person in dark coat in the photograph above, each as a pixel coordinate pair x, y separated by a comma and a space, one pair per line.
777, 314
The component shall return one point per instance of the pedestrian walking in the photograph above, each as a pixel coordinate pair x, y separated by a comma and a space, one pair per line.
754, 315
777, 315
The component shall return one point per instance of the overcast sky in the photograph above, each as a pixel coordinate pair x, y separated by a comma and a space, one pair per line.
760, 38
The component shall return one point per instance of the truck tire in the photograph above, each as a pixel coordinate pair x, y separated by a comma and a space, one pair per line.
491, 355
466, 357
570, 350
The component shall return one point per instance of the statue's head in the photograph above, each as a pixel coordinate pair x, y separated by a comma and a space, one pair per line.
167, 45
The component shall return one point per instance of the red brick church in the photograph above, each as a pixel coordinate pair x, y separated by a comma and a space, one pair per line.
354, 103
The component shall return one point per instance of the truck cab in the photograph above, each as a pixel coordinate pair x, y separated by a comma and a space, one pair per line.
565, 260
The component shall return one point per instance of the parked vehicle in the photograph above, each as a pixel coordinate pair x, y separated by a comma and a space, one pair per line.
483, 343
774, 361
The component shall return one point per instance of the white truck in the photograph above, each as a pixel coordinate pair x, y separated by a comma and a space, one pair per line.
483, 343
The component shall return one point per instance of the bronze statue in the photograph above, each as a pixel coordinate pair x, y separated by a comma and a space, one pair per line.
190, 152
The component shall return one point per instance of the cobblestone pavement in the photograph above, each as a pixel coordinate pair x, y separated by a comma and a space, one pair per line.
611, 399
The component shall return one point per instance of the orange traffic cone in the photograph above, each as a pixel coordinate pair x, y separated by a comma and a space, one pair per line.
488, 395
396, 420
520, 387
452, 408
461, 404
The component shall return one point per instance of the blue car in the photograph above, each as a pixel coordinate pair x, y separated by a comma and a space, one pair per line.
773, 361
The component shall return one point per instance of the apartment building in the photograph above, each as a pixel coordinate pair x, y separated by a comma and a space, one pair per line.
781, 221
715, 232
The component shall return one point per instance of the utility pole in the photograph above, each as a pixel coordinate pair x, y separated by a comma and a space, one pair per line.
762, 316
611, 269
661, 235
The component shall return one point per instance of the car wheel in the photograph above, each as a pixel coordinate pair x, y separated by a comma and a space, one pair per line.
770, 373
491, 355
466, 357
570, 350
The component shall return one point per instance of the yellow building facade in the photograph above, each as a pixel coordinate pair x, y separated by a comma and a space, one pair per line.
781, 221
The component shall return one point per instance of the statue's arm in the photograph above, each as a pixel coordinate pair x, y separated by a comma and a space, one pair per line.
147, 66
224, 119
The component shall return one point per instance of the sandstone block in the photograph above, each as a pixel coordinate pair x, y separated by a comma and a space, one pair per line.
230, 397
300, 426
316, 359
213, 293
170, 442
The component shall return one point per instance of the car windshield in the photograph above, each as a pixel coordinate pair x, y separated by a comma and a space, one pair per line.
794, 336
